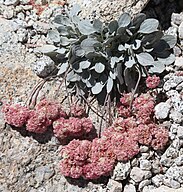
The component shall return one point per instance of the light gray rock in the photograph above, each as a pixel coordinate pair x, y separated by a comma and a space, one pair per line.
176, 116
8, 13
176, 18
180, 132
164, 189
129, 188
181, 31
175, 173
11, 2
179, 62
144, 183
145, 165
171, 183
43, 66
138, 175
144, 149
114, 186
172, 31
179, 160
121, 171
157, 180
172, 82
162, 110
22, 35
41, 27
107, 10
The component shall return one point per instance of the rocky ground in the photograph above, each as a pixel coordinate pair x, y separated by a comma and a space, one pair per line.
30, 163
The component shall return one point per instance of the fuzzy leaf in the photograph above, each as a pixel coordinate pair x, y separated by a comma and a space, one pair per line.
149, 26
54, 36
85, 27
62, 20
63, 30
145, 59
167, 61
85, 64
97, 88
109, 85
113, 25
136, 45
72, 77
118, 71
114, 60
62, 68
158, 67
75, 10
138, 20
112, 75
121, 48
170, 39
80, 52
98, 25
130, 62
88, 45
124, 20
99, 67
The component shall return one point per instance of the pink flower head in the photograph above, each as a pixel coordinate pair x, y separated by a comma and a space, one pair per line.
160, 138
126, 99
87, 124
75, 156
38, 123
78, 111
51, 109
152, 82
144, 134
16, 114
124, 111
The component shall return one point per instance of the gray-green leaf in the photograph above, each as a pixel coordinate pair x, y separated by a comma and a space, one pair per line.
97, 88
109, 85
99, 67
170, 39
145, 59
85, 27
85, 64
124, 20
62, 68
149, 26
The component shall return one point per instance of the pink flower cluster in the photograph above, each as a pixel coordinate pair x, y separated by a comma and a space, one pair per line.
72, 127
119, 142
152, 82
44, 115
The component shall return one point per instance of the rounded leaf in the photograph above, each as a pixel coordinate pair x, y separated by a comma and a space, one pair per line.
97, 88
170, 39
99, 67
63, 68
124, 20
85, 27
145, 59
85, 64
113, 26
109, 85
149, 26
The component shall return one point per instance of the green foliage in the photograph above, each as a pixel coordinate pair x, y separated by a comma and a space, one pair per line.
100, 58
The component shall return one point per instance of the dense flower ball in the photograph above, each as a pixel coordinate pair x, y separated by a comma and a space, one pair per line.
152, 82
78, 111
101, 159
38, 122
51, 109
72, 127
75, 156
16, 114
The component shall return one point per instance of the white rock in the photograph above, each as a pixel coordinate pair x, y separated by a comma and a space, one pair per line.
179, 62
138, 175
162, 110
181, 31
121, 171
144, 183
176, 116
172, 82
157, 180
180, 132
176, 18
129, 188
11, 2
164, 189
145, 165
114, 186
44, 66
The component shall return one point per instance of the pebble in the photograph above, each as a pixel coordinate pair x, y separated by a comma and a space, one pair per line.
114, 186
181, 31
11, 2
162, 110
157, 180
121, 171
129, 188
180, 132
144, 183
176, 18
172, 82
176, 116
179, 62
43, 66
145, 165
138, 174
